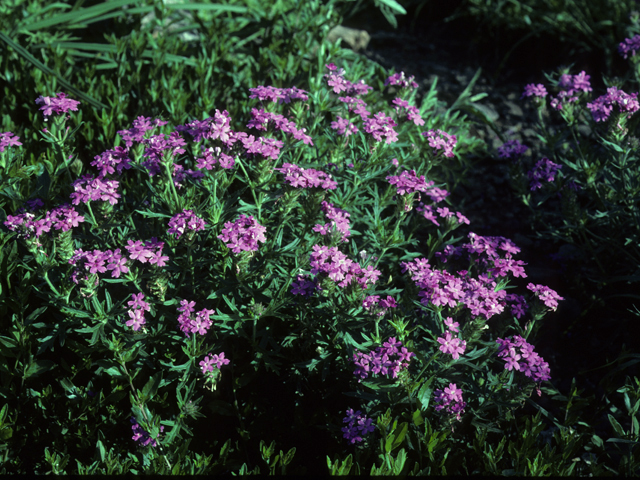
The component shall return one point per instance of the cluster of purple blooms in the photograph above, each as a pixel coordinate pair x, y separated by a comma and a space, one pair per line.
89, 188
512, 150
190, 323
243, 234
299, 177
212, 156
377, 306
334, 264
450, 400
280, 95
629, 46
149, 251
8, 139
448, 343
142, 436
572, 86
262, 118
519, 355
548, 296
344, 126
408, 182
429, 212
602, 107
413, 113
63, 218
304, 286
389, 359
400, 80
358, 425
184, 220
136, 312
216, 361
544, 170
534, 90
335, 78
439, 140
339, 221
57, 105
381, 126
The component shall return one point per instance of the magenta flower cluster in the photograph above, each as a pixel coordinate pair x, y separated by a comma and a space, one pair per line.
400, 80
339, 221
304, 286
377, 306
243, 234
602, 107
571, 87
548, 296
534, 90
190, 323
97, 261
280, 95
519, 355
429, 212
334, 264
389, 359
57, 105
8, 139
335, 78
63, 218
512, 150
344, 126
149, 251
262, 119
408, 182
544, 170
629, 46
413, 113
185, 220
89, 188
450, 400
381, 126
448, 343
439, 140
111, 160
142, 436
299, 177
136, 311
216, 361
357, 426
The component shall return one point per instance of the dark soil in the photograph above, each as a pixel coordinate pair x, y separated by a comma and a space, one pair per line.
584, 334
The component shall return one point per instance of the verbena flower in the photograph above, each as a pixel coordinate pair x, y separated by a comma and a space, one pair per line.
439, 140
303, 286
243, 234
335, 78
357, 426
139, 127
413, 113
338, 221
450, 400
336, 266
190, 323
512, 150
8, 139
602, 107
533, 90
409, 182
185, 220
106, 161
207, 365
519, 355
629, 46
399, 79
548, 296
373, 304
142, 436
389, 359
306, 178
88, 188
452, 345
280, 95
344, 127
57, 105
262, 119
381, 126
544, 170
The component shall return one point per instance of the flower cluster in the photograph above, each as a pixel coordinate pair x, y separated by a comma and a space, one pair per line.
544, 170
142, 436
429, 212
512, 149
602, 107
413, 113
88, 188
303, 286
97, 261
136, 312
344, 126
439, 140
106, 161
144, 252
450, 344
280, 95
335, 78
212, 156
408, 182
243, 234
183, 221
140, 126
339, 221
335, 265
533, 90
389, 359
216, 361
8, 139
63, 218
266, 147
377, 306
306, 178
519, 304
450, 400
262, 118
381, 126
571, 86
357, 426
58, 104
629, 46
519, 355
548, 296
200, 323
155, 148
401, 80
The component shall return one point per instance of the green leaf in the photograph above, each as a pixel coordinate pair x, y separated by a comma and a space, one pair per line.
616, 426
392, 4
38, 367
151, 387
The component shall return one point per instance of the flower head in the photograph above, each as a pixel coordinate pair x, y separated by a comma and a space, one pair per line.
58, 104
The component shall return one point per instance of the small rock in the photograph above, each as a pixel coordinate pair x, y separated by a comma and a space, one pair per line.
514, 109
356, 39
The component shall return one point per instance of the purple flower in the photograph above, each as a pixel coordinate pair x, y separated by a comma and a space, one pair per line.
629, 46
544, 170
280, 95
413, 113
533, 90
409, 182
87, 188
58, 104
215, 361
185, 220
548, 296
602, 107
106, 161
142, 436
357, 425
8, 139
338, 221
344, 127
519, 355
140, 126
450, 400
452, 345
389, 359
512, 149
303, 286
381, 126
306, 178
439, 140
243, 234
401, 80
